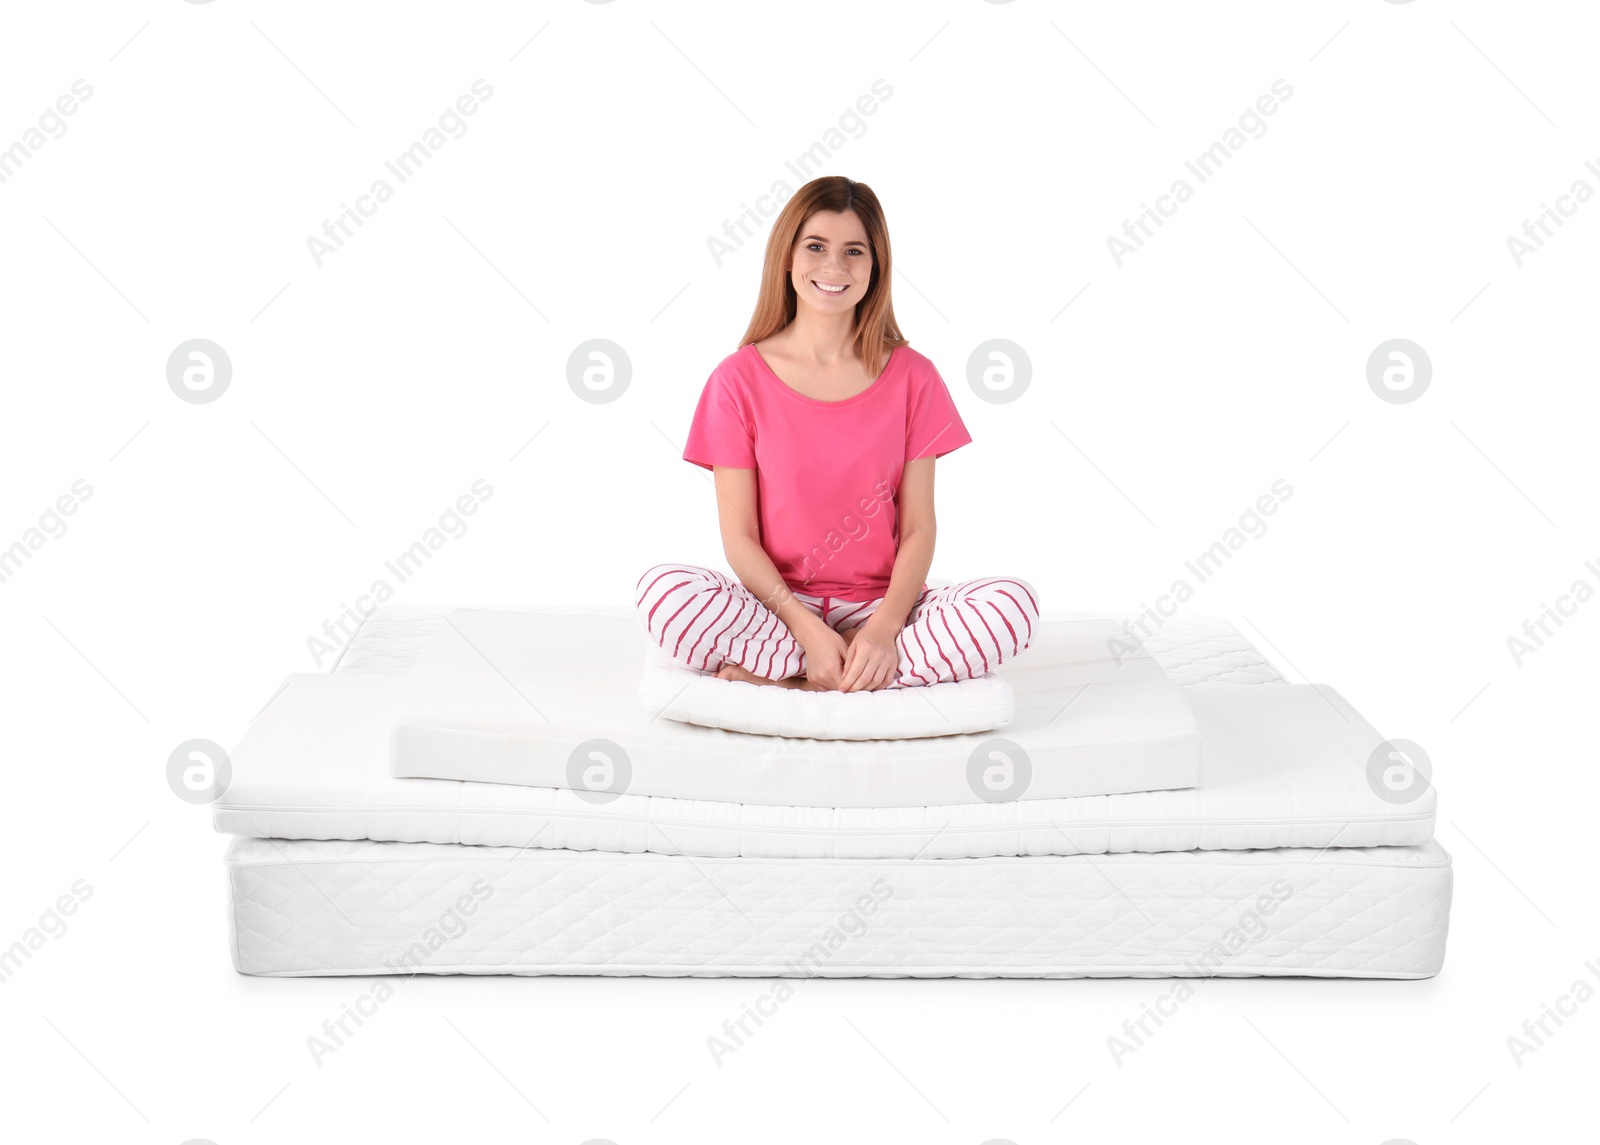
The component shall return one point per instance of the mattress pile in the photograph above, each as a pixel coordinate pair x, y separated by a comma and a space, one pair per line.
472, 792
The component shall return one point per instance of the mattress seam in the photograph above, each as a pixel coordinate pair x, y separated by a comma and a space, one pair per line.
1122, 859
823, 831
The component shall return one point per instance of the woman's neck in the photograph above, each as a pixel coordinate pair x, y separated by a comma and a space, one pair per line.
825, 339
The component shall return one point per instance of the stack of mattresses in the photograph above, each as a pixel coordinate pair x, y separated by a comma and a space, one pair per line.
475, 792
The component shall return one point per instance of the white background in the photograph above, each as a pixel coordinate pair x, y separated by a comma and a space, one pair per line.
368, 393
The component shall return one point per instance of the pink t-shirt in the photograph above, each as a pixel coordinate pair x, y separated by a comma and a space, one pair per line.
827, 473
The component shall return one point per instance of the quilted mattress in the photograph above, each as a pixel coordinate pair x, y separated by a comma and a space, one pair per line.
361, 907
858, 892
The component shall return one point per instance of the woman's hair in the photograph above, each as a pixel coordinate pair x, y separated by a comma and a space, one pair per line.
876, 330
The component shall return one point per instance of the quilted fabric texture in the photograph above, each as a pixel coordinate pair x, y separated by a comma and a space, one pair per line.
1208, 650
373, 908
388, 641
362, 907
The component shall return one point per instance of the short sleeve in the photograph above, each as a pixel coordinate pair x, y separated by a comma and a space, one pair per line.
721, 433
933, 426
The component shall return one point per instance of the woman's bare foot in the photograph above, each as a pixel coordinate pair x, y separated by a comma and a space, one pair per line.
744, 675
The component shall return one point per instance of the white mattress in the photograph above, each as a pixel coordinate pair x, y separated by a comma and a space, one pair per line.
671, 690
525, 697
327, 908
1284, 766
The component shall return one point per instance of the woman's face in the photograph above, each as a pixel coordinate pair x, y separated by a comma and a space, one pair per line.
831, 253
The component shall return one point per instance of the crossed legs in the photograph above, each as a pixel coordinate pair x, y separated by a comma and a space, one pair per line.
708, 621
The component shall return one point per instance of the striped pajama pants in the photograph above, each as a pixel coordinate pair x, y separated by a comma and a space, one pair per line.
704, 620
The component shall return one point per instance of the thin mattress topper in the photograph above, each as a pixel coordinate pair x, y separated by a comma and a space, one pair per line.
551, 699
1286, 765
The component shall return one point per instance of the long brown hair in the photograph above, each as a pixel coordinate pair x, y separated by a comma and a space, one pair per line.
877, 333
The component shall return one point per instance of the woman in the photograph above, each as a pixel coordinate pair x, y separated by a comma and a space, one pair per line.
821, 432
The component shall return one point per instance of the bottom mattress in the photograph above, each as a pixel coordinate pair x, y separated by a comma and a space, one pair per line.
360, 907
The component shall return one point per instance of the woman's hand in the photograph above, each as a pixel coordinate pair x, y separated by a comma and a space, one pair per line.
825, 655
872, 660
